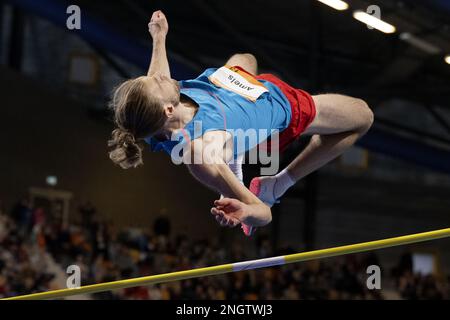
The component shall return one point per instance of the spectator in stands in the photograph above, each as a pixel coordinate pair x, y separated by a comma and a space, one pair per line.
106, 255
87, 211
22, 215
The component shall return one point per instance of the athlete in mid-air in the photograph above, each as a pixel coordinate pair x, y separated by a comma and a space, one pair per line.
157, 110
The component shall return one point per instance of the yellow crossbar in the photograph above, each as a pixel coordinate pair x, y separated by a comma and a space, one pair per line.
239, 266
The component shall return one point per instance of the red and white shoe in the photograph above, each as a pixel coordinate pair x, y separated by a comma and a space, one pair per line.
248, 230
262, 187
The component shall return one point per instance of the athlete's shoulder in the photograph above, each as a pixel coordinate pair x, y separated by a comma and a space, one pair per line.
201, 80
204, 75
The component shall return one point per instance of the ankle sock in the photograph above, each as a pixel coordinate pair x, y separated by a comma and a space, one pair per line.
283, 182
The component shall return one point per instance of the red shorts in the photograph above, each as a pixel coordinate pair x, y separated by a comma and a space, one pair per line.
303, 109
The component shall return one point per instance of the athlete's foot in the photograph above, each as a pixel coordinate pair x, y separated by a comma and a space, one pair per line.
264, 189
248, 230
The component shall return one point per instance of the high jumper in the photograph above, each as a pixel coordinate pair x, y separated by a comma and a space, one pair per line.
157, 110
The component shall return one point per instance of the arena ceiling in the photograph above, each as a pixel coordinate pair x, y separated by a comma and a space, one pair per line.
304, 41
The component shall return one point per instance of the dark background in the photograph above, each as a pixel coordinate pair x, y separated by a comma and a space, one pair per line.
396, 181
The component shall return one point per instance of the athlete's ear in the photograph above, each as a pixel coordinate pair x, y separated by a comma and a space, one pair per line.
169, 110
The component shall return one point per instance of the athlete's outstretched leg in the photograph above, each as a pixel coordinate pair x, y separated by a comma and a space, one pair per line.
340, 120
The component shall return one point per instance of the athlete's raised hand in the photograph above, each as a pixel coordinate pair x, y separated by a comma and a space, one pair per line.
229, 212
158, 25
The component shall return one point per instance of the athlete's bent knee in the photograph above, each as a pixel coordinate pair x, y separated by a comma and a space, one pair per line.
250, 57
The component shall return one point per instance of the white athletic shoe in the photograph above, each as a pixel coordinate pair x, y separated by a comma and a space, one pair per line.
262, 187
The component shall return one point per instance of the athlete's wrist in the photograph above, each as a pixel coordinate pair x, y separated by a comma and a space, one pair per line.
257, 214
159, 39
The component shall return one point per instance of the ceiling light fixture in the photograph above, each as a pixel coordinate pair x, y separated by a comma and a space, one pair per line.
374, 22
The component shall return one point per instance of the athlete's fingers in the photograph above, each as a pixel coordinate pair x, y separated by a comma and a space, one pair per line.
231, 223
223, 202
215, 211
156, 13
157, 16
220, 205
225, 219
219, 219
223, 222
236, 222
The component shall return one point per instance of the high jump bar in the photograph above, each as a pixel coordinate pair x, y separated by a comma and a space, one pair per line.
239, 266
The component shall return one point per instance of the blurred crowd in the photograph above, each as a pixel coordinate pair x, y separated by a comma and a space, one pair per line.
34, 250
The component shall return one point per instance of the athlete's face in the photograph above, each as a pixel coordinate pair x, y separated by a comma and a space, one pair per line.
162, 88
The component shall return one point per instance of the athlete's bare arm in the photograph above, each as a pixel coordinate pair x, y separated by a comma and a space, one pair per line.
158, 28
239, 204
246, 61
